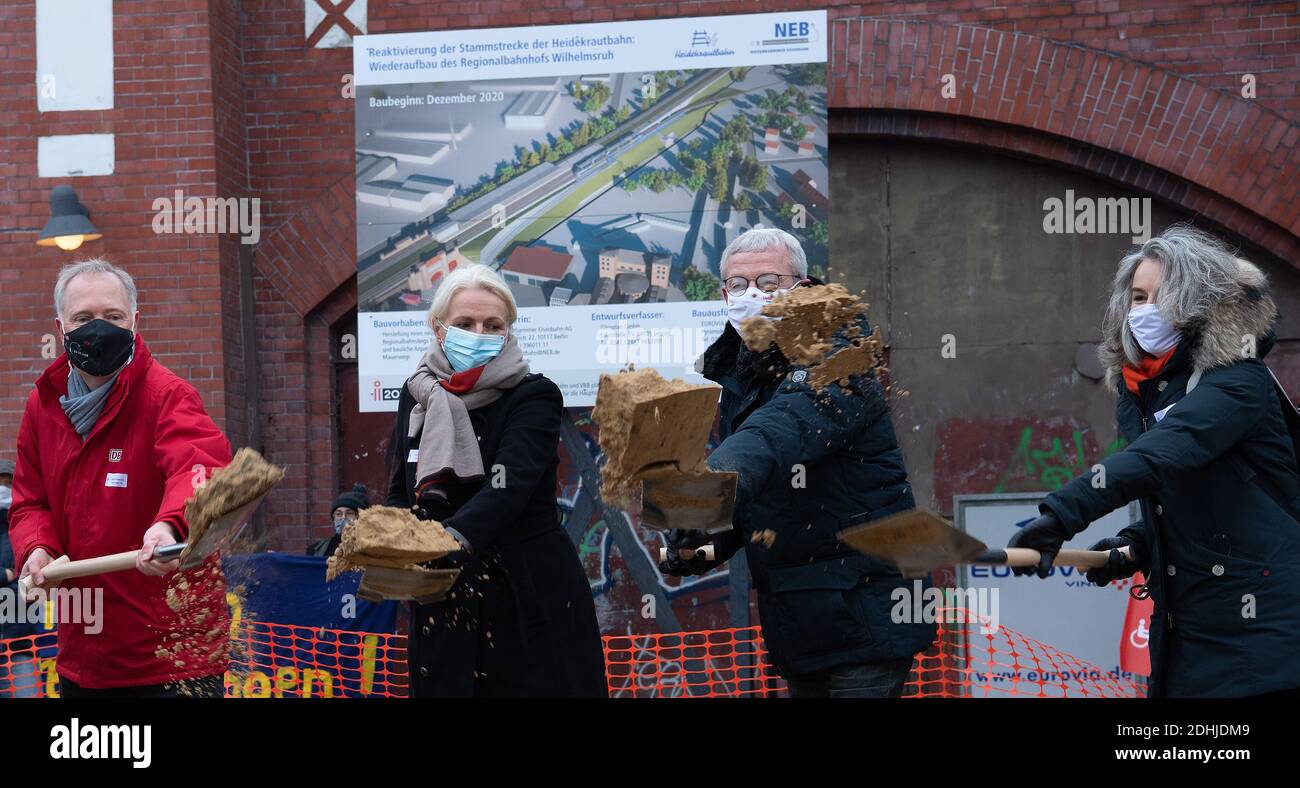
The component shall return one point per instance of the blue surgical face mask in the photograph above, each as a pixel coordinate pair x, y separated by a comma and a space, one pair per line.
466, 350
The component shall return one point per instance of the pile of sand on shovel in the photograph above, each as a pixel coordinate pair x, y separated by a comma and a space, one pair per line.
247, 477
388, 545
809, 317
650, 426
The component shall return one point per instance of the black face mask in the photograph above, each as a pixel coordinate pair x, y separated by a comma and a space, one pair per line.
99, 348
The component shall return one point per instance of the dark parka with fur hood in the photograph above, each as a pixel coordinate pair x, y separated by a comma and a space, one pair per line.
1215, 471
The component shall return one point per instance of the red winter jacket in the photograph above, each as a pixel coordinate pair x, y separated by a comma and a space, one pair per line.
137, 467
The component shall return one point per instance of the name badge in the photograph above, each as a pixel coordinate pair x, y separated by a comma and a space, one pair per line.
115, 480
414, 456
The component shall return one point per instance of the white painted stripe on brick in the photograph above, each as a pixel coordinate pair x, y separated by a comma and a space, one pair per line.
72, 155
74, 55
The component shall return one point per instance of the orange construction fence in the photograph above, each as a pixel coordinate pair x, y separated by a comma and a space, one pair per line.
277, 660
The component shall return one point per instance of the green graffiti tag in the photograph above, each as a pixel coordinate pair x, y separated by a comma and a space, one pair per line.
1051, 467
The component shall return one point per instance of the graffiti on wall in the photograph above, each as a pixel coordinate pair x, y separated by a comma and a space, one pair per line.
1049, 460
622, 557
977, 456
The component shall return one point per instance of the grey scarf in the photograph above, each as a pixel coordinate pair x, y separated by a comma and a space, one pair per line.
440, 419
82, 405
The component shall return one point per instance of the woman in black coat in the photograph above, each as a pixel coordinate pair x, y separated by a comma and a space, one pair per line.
476, 448
1212, 459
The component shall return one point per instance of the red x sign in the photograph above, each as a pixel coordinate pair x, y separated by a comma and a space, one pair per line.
335, 14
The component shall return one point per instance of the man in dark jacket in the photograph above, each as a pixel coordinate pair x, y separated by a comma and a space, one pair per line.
809, 464
1211, 459
346, 508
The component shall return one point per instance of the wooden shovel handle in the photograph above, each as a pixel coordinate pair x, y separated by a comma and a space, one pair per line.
63, 569
91, 566
1021, 556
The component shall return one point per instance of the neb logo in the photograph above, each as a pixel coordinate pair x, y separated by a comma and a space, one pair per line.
792, 29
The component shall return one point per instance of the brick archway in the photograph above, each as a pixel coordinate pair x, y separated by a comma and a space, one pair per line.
312, 254
1230, 159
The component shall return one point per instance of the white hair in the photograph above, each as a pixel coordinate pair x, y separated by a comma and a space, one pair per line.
465, 277
760, 239
94, 265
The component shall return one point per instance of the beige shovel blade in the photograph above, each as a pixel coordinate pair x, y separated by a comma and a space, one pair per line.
411, 584
219, 509
222, 532
671, 498
917, 541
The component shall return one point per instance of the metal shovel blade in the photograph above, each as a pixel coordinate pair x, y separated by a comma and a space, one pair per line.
221, 533
699, 501
417, 584
916, 541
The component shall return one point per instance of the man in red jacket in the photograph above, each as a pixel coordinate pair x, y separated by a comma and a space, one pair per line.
111, 446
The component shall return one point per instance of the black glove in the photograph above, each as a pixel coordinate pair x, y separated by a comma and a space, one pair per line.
432, 504
1117, 566
1046, 535
686, 539
456, 558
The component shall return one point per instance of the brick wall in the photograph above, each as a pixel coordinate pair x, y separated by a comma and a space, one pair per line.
220, 97
164, 126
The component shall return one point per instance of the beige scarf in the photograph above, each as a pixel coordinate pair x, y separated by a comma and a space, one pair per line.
443, 399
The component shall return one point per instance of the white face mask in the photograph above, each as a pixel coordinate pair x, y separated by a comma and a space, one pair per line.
1152, 332
742, 307
6, 497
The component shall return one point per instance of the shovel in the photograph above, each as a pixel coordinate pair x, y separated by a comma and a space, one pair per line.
692, 501
675, 499
212, 537
918, 541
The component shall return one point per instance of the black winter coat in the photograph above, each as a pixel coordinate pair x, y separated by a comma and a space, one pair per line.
520, 620
1215, 471
821, 603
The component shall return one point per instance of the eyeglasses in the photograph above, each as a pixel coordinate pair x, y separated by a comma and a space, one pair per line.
767, 283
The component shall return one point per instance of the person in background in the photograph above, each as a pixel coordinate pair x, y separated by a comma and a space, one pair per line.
347, 507
109, 449
476, 447
17, 660
6, 551
825, 609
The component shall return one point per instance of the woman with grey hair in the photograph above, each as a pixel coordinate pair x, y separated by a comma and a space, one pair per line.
476, 447
1211, 456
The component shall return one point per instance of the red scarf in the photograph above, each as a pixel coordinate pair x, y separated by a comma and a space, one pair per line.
1147, 368
463, 382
